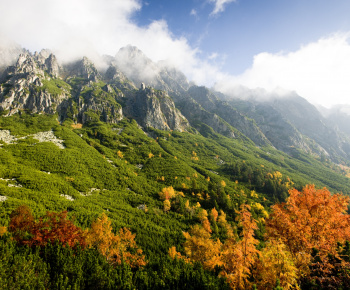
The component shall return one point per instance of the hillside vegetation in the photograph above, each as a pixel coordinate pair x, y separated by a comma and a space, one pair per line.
91, 199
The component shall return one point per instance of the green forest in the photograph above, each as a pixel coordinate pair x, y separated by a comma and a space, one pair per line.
115, 207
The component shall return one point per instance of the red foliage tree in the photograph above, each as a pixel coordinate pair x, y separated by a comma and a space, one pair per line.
48, 229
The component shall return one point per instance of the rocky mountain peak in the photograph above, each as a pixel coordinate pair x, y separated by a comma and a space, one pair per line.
48, 62
28, 87
26, 64
153, 108
84, 68
116, 77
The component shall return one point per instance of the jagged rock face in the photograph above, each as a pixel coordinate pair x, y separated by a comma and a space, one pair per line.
83, 68
212, 104
116, 78
277, 129
309, 122
196, 114
24, 88
101, 101
155, 109
48, 62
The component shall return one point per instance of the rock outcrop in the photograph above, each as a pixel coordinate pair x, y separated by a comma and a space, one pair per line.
27, 87
83, 68
211, 103
152, 108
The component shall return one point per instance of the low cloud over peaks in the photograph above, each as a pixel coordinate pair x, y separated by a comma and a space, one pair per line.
318, 71
74, 28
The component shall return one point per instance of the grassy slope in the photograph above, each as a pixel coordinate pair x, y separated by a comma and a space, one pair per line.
91, 160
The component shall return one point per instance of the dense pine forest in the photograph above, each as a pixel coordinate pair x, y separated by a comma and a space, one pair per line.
106, 186
118, 208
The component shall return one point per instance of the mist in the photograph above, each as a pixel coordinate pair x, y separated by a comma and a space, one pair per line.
317, 71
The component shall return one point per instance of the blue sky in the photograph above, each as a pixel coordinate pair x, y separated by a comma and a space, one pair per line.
248, 27
278, 45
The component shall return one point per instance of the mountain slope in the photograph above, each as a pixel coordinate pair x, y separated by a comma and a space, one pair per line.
79, 140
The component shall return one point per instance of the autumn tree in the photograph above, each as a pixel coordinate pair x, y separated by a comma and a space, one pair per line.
275, 263
116, 248
310, 219
21, 222
167, 193
239, 256
200, 247
3, 230
49, 228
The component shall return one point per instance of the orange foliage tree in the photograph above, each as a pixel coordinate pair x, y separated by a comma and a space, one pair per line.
49, 228
239, 256
116, 248
310, 219
235, 257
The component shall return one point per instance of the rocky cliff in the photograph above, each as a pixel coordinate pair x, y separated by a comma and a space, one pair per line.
158, 95
30, 85
78, 91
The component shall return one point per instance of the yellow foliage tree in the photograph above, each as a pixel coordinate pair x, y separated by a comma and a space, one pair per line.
3, 230
275, 263
116, 248
199, 247
167, 193
214, 214
166, 205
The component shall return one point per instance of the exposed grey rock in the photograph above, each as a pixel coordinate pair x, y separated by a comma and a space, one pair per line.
197, 115
118, 79
83, 68
24, 89
49, 136
155, 109
68, 197
210, 102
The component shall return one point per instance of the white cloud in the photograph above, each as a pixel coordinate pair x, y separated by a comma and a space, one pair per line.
220, 6
214, 55
318, 71
73, 28
193, 12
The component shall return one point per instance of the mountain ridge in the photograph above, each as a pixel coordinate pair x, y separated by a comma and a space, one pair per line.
75, 90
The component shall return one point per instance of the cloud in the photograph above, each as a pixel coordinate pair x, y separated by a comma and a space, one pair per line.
193, 12
318, 71
73, 28
220, 6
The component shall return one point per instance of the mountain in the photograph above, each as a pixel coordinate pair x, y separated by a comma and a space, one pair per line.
166, 100
88, 153
290, 122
